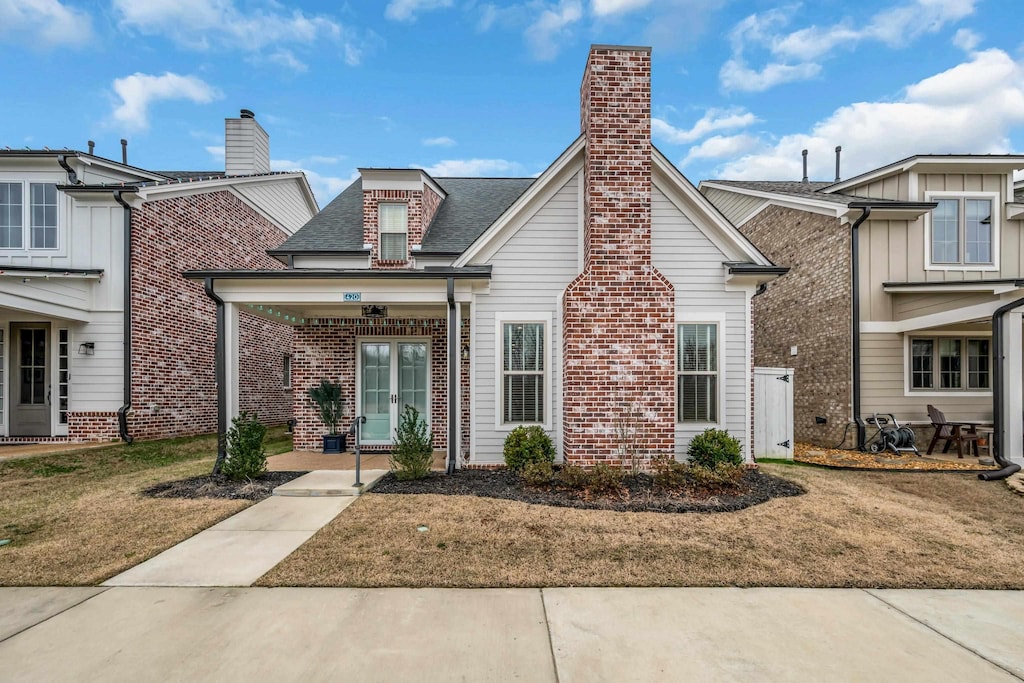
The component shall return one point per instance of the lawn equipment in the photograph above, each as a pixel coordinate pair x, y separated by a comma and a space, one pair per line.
891, 436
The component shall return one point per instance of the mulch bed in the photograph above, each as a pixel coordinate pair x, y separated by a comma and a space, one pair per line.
846, 459
219, 486
639, 493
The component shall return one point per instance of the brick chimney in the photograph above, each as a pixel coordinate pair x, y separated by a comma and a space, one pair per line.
618, 316
246, 145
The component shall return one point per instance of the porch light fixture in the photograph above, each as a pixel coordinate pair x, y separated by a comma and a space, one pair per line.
465, 352
87, 349
375, 311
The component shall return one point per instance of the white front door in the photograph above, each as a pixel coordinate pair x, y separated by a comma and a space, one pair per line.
391, 375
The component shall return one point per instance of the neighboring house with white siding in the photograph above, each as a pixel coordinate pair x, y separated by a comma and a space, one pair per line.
100, 338
606, 289
939, 252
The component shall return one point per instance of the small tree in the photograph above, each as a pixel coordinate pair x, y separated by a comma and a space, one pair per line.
525, 445
328, 400
247, 458
413, 451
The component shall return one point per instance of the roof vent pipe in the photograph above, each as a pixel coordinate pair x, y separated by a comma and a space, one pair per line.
804, 153
92, 146
124, 151
246, 114
839, 151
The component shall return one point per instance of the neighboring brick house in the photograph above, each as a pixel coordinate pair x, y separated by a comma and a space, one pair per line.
940, 252
65, 220
607, 292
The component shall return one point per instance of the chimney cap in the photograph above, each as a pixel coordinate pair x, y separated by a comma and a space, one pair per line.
247, 114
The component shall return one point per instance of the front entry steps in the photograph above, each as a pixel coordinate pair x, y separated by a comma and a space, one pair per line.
330, 483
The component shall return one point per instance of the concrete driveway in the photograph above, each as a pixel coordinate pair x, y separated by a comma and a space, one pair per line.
559, 634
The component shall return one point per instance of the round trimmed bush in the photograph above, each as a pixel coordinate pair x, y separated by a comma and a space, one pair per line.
712, 447
525, 445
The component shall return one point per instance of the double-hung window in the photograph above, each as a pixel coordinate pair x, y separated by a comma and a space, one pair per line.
522, 372
393, 220
697, 373
963, 231
37, 210
950, 364
12, 215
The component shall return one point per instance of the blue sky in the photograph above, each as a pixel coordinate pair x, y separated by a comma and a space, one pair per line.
469, 87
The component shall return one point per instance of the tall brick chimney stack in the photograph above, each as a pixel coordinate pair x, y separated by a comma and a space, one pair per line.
618, 315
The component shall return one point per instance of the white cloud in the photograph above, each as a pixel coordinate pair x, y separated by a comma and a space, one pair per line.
721, 147
970, 108
43, 23
605, 7
467, 168
966, 39
216, 151
139, 91
405, 10
713, 119
735, 75
551, 30
443, 141
325, 187
205, 24
288, 60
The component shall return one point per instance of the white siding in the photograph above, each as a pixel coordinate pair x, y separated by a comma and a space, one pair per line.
283, 201
530, 272
693, 264
733, 205
96, 381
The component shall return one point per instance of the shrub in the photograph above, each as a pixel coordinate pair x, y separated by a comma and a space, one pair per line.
524, 445
670, 474
537, 473
573, 477
722, 475
247, 458
329, 403
601, 479
413, 452
712, 447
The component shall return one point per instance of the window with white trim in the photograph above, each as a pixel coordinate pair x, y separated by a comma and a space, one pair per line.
963, 230
950, 364
393, 222
43, 215
64, 374
37, 209
11, 216
697, 373
522, 375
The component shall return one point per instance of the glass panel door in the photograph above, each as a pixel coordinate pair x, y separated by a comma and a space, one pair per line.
412, 377
376, 390
30, 381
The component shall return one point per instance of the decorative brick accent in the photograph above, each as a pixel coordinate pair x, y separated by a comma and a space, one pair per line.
95, 426
422, 207
809, 308
326, 348
618, 316
173, 321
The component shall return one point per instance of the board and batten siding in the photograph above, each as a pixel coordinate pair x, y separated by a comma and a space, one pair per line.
733, 205
693, 263
529, 273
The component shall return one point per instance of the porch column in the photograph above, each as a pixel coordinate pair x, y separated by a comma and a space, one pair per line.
231, 378
1013, 392
453, 377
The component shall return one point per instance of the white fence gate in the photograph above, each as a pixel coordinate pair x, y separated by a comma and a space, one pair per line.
773, 413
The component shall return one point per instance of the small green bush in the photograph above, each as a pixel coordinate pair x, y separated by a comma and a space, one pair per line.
524, 445
573, 477
247, 458
712, 447
537, 473
601, 479
722, 475
413, 451
670, 474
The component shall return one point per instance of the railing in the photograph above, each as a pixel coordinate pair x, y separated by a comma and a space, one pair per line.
355, 430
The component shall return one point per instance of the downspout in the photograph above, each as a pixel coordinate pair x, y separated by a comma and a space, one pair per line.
72, 176
855, 296
126, 334
220, 377
998, 408
453, 376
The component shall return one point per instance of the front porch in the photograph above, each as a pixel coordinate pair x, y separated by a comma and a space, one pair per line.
305, 461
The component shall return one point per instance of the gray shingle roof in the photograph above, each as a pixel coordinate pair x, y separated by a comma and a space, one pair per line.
189, 175
471, 206
809, 190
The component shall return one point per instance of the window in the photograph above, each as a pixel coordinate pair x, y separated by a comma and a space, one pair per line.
287, 372
963, 230
39, 213
43, 215
697, 373
522, 376
64, 378
11, 215
393, 220
950, 364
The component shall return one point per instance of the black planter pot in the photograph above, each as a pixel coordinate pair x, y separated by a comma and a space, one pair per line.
334, 443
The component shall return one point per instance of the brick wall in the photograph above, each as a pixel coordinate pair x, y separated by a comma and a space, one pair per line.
618, 316
93, 426
173, 321
326, 349
809, 308
422, 207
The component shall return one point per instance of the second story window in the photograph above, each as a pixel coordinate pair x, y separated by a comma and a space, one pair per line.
964, 231
11, 216
43, 215
393, 220
37, 211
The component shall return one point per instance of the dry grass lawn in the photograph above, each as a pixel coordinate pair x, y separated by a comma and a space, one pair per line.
78, 518
863, 529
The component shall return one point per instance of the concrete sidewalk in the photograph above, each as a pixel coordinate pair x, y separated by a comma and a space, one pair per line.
559, 634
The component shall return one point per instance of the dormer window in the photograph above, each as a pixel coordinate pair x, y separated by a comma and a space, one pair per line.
963, 231
394, 231
40, 215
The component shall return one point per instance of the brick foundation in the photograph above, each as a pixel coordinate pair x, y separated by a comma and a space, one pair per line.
94, 426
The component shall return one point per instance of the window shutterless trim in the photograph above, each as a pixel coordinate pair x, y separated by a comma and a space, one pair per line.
720, 329
527, 317
962, 197
965, 390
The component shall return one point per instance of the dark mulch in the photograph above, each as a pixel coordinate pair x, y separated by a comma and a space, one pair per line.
219, 486
639, 494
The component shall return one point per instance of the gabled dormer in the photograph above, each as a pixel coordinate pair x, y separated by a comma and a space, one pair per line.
398, 206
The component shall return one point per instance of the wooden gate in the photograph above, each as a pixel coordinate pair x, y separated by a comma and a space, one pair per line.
773, 413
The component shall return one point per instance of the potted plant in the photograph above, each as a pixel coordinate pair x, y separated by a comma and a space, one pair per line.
328, 400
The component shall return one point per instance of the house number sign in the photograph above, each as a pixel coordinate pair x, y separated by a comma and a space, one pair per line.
352, 296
